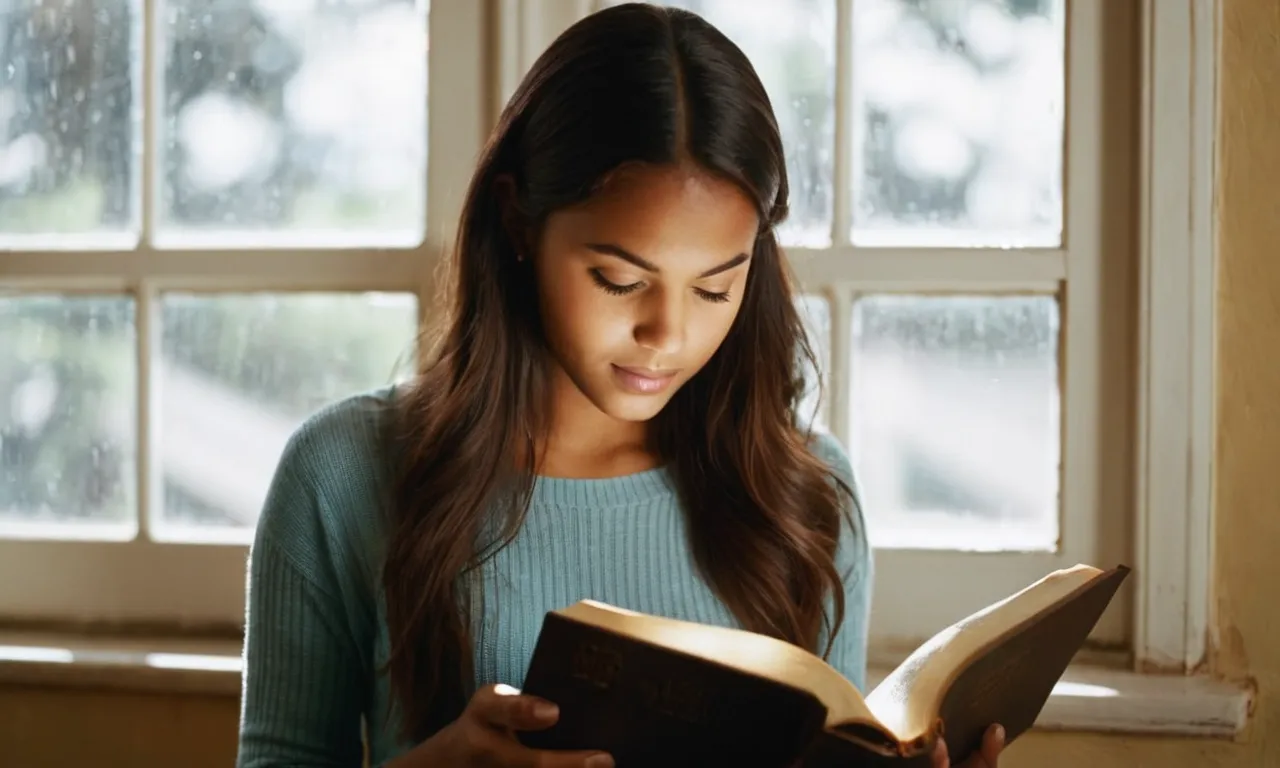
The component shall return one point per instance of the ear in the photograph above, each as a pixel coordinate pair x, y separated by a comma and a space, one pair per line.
513, 220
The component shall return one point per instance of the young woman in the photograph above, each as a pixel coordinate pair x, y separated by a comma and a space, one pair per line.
608, 413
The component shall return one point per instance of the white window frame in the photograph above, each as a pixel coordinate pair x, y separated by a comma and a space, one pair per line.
1160, 621
908, 608
202, 586
1178, 249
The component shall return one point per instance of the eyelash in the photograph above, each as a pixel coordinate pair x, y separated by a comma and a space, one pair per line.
622, 290
613, 288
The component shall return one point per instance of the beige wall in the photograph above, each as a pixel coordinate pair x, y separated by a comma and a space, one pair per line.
1247, 482
47, 728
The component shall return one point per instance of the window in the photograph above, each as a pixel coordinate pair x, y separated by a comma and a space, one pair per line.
947, 160
216, 217
966, 193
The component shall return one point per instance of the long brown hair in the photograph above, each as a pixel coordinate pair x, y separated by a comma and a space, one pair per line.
633, 83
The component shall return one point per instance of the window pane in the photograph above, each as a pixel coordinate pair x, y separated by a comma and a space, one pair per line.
955, 420
816, 314
69, 122
241, 372
958, 120
68, 415
791, 44
295, 121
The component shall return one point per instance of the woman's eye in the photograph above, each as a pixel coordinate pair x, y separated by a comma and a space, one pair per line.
622, 289
608, 286
712, 296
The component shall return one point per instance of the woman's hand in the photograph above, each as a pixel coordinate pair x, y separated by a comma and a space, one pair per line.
992, 746
485, 736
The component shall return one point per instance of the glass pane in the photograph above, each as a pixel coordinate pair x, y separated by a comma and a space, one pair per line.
958, 121
295, 122
68, 415
239, 373
816, 314
955, 420
68, 119
792, 45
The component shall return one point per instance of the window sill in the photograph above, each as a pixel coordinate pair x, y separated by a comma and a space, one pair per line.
171, 666
1088, 699
1099, 699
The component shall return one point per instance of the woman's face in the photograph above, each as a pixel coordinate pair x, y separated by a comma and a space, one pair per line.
640, 284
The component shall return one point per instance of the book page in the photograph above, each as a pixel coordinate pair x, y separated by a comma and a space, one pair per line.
907, 701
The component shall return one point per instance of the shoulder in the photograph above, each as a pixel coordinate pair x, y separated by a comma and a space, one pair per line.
331, 484
854, 551
826, 447
346, 434
853, 560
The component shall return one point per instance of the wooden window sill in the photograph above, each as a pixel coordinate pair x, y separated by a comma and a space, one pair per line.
1088, 699
1099, 699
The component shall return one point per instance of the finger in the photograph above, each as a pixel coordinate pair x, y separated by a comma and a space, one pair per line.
940, 757
993, 745
502, 706
512, 754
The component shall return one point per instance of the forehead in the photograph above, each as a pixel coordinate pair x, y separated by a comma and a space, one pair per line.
668, 212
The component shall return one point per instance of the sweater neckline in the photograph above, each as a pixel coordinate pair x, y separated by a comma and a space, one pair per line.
604, 491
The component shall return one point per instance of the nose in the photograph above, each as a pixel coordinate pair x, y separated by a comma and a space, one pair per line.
660, 327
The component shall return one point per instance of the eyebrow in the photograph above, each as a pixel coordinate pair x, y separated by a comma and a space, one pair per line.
649, 266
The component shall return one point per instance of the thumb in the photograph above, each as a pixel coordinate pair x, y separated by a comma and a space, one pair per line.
992, 745
940, 757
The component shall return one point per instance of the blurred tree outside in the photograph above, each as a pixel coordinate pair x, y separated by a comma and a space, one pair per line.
245, 147
309, 118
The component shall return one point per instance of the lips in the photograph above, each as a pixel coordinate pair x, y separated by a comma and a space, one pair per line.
644, 381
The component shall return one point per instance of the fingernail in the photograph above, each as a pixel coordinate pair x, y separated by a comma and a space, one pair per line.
1000, 733
545, 710
600, 761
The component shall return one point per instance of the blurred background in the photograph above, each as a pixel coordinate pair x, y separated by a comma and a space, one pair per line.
303, 122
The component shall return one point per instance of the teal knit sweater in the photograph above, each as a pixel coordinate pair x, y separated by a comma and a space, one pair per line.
316, 634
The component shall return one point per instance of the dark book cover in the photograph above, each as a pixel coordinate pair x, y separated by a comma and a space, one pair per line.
650, 707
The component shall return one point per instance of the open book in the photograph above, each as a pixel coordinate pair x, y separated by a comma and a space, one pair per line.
658, 691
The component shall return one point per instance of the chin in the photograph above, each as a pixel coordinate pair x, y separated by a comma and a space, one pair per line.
632, 408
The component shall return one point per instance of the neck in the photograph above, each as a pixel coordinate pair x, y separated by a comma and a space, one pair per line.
583, 441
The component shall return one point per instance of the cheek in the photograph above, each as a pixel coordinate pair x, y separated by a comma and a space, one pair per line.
708, 330
580, 320
711, 323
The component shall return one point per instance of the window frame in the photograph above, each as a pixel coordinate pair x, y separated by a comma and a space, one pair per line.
1083, 271
200, 586
1174, 515
1161, 620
